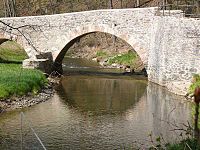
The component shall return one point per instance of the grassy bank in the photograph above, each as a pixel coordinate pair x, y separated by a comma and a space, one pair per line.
17, 81
124, 59
129, 58
14, 80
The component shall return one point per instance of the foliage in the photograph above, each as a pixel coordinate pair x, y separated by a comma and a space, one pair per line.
187, 144
193, 111
186, 140
18, 81
195, 83
43, 7
124, 59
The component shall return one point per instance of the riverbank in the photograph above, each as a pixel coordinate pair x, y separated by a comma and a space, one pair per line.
28, 100
16, 81
128, 61
20, 87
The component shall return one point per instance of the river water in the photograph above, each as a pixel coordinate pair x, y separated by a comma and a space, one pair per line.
97, 111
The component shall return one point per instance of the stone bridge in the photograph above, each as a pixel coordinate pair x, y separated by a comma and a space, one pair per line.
169, 46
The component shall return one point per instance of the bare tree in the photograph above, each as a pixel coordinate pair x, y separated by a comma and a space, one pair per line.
198, 7
10, 8
121, 3
18, 29
111, 4
138, 3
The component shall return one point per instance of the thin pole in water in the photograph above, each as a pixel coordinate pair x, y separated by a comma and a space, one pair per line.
21, 121
30, 126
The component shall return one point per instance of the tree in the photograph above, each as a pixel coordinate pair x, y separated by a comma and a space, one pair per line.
9, 8
111, 4
138, 3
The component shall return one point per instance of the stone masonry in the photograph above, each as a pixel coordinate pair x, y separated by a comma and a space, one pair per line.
169, 46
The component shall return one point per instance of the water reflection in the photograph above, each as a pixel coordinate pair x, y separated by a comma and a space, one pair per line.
101, 94
90, 112
167, 109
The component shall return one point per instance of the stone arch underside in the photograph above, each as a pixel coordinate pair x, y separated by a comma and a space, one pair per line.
75, 34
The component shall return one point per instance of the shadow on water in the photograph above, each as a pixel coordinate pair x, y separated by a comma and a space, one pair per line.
104, 73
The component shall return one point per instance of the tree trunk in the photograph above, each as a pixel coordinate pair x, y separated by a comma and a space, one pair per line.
5, 8
198, 8
121, 2
138, 3
111, 4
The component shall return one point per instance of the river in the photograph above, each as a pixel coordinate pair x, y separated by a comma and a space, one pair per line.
97, 111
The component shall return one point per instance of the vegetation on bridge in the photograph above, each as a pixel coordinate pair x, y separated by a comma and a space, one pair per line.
16, 81
195, 83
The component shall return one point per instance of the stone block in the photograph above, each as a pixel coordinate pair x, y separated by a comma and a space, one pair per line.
41, 64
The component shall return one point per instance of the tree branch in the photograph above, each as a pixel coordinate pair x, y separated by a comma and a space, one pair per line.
18, 29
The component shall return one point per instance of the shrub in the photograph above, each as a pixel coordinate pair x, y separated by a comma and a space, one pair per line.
195, 83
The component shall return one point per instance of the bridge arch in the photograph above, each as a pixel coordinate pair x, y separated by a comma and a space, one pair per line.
73, 35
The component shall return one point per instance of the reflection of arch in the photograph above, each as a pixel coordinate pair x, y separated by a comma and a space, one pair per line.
77, 33
115, 94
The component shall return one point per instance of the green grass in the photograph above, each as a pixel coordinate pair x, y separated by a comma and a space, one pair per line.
187, 144
14, 80
124, 59
18, 81
196, 82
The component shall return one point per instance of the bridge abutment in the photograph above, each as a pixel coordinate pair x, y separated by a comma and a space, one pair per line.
42, 61
41, 64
